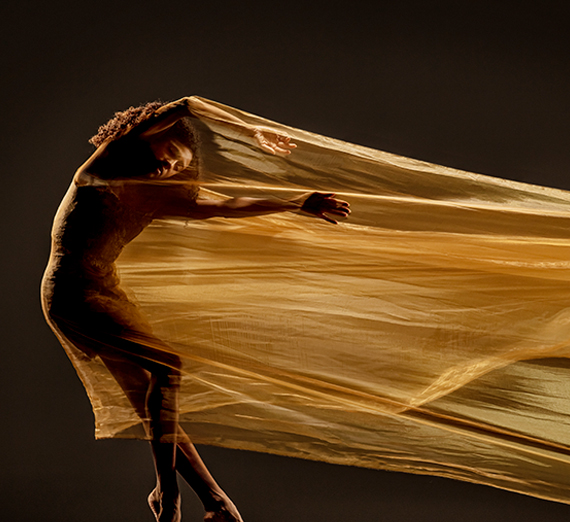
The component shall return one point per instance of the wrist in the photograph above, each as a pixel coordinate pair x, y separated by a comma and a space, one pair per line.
296, 204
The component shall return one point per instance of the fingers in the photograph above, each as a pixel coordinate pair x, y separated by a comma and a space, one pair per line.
336, 207
264, 143
328, 219
266, 147
338, 211
283, 145
282, 150
326, 206
274, 143
284, 142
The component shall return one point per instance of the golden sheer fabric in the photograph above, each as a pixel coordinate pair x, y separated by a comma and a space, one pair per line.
429, 333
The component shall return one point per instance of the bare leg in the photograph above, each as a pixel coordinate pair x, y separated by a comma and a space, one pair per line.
157, 403
217, 504
153, 394
162, 404
150, 380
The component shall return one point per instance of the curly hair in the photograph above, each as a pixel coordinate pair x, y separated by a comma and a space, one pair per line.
123, 121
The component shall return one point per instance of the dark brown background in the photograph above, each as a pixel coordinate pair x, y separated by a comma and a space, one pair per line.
476, 85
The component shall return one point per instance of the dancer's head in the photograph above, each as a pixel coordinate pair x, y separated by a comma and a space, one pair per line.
176, 149
124, 121
173, 156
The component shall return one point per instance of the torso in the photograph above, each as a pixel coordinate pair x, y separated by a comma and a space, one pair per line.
91, 228
95, 221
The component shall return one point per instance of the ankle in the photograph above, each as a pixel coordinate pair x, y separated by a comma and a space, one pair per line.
166, 489
215, 500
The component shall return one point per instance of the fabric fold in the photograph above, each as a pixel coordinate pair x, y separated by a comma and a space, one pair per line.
429, 333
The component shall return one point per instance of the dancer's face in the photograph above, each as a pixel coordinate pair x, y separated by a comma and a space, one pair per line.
173, 155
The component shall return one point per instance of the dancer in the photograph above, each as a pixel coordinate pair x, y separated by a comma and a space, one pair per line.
146, 167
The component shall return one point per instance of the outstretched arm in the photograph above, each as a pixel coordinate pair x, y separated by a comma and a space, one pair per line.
324, 206
269, 140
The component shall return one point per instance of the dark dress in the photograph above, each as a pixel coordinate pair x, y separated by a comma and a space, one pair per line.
81, 294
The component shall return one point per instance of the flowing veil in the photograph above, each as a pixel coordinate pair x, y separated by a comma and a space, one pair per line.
429, 333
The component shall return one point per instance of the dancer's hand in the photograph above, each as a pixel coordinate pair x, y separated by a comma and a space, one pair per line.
320, 205
272, 141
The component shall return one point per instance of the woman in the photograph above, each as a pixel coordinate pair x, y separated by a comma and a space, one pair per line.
146, 167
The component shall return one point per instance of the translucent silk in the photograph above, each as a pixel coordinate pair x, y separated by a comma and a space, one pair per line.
428, 333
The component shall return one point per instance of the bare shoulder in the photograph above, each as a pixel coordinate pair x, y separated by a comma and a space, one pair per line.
87, 169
